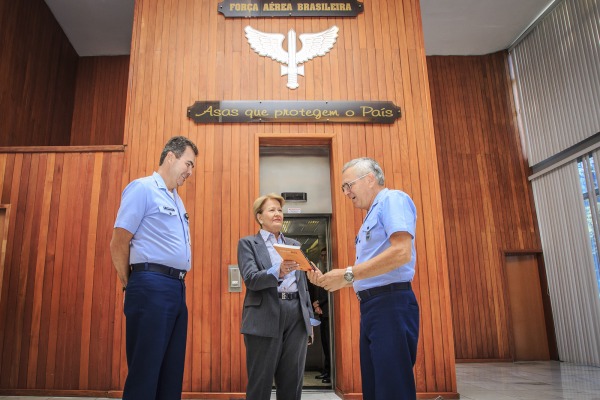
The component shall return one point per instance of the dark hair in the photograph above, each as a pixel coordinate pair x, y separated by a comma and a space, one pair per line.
364, 165
177, 146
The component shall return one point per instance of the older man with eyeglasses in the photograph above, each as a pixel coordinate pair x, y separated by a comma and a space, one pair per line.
381, 277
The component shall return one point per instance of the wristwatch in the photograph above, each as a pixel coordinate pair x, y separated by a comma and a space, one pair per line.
348, 275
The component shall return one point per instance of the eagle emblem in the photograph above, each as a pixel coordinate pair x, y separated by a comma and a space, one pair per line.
271, 45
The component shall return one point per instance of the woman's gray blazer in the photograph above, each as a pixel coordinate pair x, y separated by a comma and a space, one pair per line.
260, 315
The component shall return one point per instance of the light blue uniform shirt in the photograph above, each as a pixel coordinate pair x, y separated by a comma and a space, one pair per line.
158, 221
392, 211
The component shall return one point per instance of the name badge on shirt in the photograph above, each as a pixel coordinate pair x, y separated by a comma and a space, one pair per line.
167, 210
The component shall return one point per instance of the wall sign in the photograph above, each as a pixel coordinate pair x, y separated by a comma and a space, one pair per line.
276, 111
313, 45
287, 8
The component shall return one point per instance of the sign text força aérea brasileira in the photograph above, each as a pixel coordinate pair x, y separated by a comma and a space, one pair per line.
287, 8
290, 111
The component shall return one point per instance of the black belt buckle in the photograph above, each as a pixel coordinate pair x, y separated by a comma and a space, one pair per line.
288, 296
179, 273
162, 269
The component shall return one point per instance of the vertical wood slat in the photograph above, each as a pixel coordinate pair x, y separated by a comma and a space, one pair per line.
488, 204
88, 265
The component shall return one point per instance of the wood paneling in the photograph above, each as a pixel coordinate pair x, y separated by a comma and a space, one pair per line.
100, 96
184, 51
60, 299
487, 201
37, 76
58, 288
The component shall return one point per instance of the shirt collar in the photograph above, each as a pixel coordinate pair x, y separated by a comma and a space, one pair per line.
376, 200
160, 182
266, 235
381, 193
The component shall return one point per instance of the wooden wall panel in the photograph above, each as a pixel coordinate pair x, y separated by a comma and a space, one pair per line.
37, 67
100, 97
185, 51
58, 287
60, 298
486, 198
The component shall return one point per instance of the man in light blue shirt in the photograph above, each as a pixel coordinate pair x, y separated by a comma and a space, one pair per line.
151, 251
381, 276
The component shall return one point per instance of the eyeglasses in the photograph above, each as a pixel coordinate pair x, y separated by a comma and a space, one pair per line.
348, 185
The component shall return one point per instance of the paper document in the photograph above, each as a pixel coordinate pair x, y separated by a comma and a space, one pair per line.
293, 253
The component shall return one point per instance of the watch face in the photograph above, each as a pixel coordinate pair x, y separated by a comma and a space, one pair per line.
349, 276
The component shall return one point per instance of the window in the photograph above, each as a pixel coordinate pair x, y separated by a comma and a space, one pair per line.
591, 201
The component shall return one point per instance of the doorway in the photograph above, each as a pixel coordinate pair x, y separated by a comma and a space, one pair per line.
525, 296
4, 218
313, 234
300, 172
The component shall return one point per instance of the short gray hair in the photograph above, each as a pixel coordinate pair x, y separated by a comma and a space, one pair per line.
177, 146
364, 165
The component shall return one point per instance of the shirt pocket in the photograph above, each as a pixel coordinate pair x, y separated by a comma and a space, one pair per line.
372, 231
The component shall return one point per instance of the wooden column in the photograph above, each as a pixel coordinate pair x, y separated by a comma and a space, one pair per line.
184, 51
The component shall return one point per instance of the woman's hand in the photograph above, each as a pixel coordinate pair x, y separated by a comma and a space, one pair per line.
286, 267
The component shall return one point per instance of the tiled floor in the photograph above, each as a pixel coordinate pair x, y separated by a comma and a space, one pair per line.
528, 381
495, 381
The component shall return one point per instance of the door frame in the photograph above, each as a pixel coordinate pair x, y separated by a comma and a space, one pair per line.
336, 226
5, 208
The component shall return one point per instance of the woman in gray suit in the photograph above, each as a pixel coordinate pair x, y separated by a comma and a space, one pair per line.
277, 308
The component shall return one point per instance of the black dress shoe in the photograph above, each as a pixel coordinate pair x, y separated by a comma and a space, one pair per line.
324, 375
326, 380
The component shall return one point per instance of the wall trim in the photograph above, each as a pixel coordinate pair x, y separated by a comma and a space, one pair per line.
64, 149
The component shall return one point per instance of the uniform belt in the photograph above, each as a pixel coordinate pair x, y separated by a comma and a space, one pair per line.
162, 269
287, 296
365, 294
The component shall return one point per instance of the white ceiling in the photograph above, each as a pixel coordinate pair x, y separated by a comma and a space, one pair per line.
451, 27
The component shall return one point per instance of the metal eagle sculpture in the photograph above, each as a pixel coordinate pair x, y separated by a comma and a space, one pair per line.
271, 45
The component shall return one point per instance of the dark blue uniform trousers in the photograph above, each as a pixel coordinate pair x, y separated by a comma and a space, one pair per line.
389, 333
156, 320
